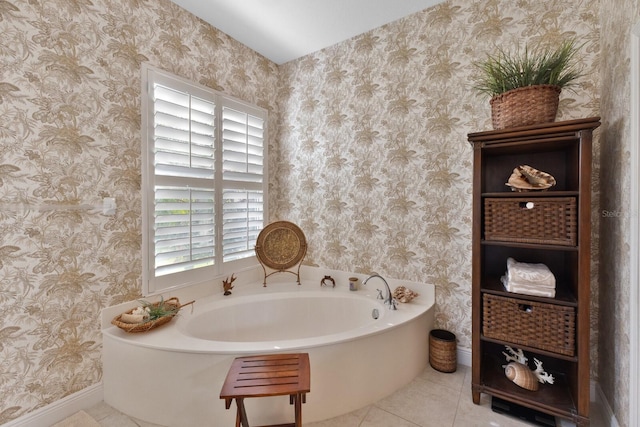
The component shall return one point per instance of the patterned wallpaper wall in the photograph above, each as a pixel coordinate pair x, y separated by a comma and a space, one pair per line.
369, 156
69, 136
617, 20
374, 161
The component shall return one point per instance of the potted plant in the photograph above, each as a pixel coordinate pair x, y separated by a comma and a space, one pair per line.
525, 87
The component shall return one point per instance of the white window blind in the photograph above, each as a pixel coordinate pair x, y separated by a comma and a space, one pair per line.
243, 219
242, 173
203, 181
242, 146
184, 229
184, 134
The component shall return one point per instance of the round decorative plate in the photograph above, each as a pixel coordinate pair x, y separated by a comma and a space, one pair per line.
281, 245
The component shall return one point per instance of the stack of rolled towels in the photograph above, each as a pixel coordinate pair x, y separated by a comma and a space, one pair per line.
529, 279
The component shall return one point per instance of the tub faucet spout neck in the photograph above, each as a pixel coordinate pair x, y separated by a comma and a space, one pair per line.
389, 300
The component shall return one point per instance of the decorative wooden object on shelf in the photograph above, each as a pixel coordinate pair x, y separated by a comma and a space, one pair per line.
227, 284
557, 235
280, 246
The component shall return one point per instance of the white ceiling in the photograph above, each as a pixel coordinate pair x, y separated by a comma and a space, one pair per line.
283, 30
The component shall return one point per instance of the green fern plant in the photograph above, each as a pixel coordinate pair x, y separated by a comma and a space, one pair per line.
505, 71
160, 309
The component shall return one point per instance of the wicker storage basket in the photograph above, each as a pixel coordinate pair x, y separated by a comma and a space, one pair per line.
152, 324
544, 326
442, 350
551, 221
525, 106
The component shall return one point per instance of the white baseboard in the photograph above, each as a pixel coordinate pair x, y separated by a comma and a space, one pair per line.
61, 409
464, 356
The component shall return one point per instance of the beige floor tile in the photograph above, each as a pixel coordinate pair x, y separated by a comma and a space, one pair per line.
145, 424
116, 419
379, 418
109, 417
100, 411
467, 377
454, 380
352, 419
424, 403
79, 419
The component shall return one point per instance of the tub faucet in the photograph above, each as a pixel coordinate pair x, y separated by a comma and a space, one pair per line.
389, 301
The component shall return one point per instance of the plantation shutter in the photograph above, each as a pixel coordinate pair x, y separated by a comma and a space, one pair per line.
184, 232
242, 174
184, 198
204, 182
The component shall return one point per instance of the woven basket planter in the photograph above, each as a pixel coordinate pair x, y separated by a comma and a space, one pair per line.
530, 105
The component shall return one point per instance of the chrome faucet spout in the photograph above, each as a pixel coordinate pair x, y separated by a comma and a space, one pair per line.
388, 300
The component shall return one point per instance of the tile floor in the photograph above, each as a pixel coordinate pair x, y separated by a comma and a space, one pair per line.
433, 399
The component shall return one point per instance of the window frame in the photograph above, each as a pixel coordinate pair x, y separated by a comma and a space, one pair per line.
152, 284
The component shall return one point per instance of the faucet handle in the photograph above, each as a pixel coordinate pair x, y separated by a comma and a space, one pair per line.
379, 294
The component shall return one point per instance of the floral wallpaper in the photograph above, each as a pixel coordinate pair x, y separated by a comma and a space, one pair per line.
368, 154
374, 162
70, 136
617, 20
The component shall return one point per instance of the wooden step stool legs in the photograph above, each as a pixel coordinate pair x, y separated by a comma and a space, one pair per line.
241, 413
267, 375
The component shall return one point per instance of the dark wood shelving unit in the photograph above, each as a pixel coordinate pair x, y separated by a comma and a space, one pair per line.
562, 149
540, 194
531, 245
563, 295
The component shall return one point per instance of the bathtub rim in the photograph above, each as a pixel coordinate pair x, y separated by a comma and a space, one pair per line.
171, 337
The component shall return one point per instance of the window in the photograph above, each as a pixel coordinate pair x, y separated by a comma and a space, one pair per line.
204, 181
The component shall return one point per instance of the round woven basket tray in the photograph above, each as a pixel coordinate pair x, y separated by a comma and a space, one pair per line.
152, 324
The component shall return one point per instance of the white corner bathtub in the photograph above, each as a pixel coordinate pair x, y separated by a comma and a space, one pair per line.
172, 376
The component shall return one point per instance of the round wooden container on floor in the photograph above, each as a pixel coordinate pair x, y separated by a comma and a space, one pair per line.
442, 350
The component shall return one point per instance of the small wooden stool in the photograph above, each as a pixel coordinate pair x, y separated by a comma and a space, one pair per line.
268, 375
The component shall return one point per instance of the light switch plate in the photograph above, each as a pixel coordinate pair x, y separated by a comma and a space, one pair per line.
109, 206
